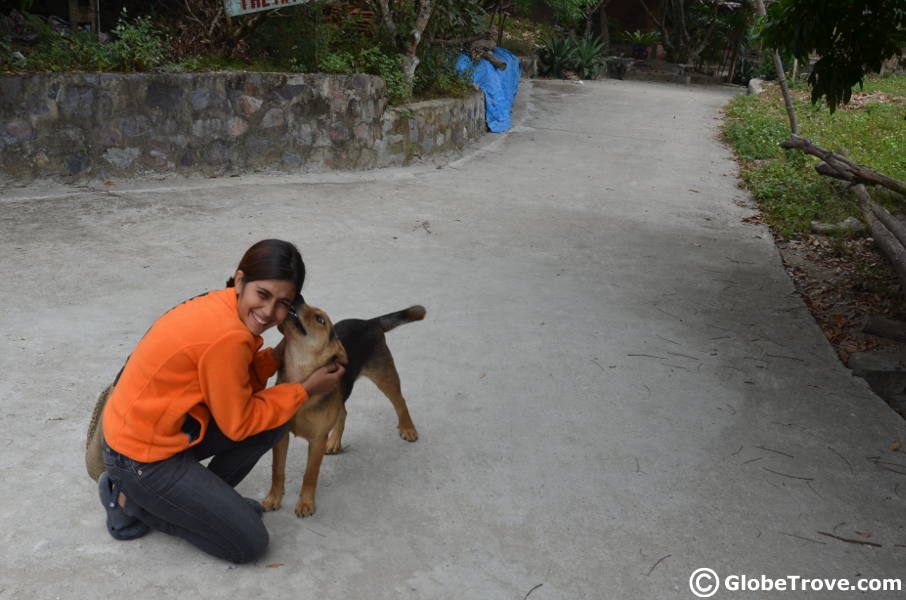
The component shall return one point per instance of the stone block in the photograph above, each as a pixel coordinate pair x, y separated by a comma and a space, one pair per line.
273, 118
41, 161
249, 104
237, 126
207, 128
339, 102
77, 102
304, 136
216, 153
136, 126
256, 146
20, 130
292, 160
76, 164
339, 132
121, 158
200, 98
163, 96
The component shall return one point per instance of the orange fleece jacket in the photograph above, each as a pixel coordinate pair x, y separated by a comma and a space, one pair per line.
198, 359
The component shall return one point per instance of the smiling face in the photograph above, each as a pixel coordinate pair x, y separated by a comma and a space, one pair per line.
263, 303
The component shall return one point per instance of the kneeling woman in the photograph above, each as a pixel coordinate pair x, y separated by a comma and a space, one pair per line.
194, 388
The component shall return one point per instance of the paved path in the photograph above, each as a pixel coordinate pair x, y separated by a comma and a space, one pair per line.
615, 386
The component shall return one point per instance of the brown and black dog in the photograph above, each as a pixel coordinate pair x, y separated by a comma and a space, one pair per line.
312, 342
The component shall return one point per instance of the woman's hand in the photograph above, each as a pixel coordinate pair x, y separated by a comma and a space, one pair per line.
324, 379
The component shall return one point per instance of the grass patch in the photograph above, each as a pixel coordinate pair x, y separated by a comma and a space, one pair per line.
790, 193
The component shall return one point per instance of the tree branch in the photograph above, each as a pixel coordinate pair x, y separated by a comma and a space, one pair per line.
845, 168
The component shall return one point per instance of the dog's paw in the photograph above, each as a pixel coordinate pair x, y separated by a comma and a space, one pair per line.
305, 508
272, 502
408, 433
334, 447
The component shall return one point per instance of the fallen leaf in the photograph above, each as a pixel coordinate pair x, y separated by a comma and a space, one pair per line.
274, 565
896, 446
108, 183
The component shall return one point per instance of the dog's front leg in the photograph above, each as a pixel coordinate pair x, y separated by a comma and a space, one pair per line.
278, 475
335, 439
306, 505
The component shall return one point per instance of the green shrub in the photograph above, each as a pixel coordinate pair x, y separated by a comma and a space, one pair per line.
589, 57
436, 77
556, 55
338, 62
375, 62
138, 46
561, 53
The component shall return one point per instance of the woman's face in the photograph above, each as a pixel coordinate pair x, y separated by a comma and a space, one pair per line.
263, 303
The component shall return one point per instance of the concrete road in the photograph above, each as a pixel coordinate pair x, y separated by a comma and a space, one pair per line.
615, 386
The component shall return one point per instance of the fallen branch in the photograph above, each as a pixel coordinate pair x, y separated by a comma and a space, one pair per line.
886, 328
892, 248
850, 541
841, 167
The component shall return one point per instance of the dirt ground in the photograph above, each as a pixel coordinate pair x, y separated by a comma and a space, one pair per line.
843, 282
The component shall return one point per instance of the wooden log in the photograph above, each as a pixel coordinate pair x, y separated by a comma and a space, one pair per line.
498, 64
894, 225
886, 328
829, 171
848, 169
888, 244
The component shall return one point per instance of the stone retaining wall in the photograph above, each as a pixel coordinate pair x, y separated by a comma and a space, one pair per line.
85, 126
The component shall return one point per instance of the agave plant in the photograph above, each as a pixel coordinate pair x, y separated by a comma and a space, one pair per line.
556, 55
589, 57
637, 38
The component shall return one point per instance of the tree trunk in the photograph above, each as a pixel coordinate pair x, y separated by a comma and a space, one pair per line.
410, 46
604, 23
781, 78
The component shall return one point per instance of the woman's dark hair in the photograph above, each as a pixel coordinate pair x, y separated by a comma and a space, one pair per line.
272, 259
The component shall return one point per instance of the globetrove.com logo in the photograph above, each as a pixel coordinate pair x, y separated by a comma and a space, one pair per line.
704, 583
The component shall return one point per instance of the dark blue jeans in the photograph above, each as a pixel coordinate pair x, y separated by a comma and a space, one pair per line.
182, 497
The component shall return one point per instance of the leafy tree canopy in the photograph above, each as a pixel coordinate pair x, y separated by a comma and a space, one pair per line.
851, 37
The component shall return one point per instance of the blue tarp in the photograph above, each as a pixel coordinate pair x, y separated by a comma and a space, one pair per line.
499, 87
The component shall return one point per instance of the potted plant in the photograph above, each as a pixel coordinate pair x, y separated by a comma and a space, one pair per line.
641, 42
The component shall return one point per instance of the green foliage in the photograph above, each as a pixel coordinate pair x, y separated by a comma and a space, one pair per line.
556, 55
338, 62
436, 77
784, 182
589, 57
137, 46
373, 61
390, 69
298, 39
638, 38
851, 38
571, 12
561, 53
456, 19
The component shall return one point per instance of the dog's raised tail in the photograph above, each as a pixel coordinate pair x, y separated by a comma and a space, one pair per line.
407, 315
